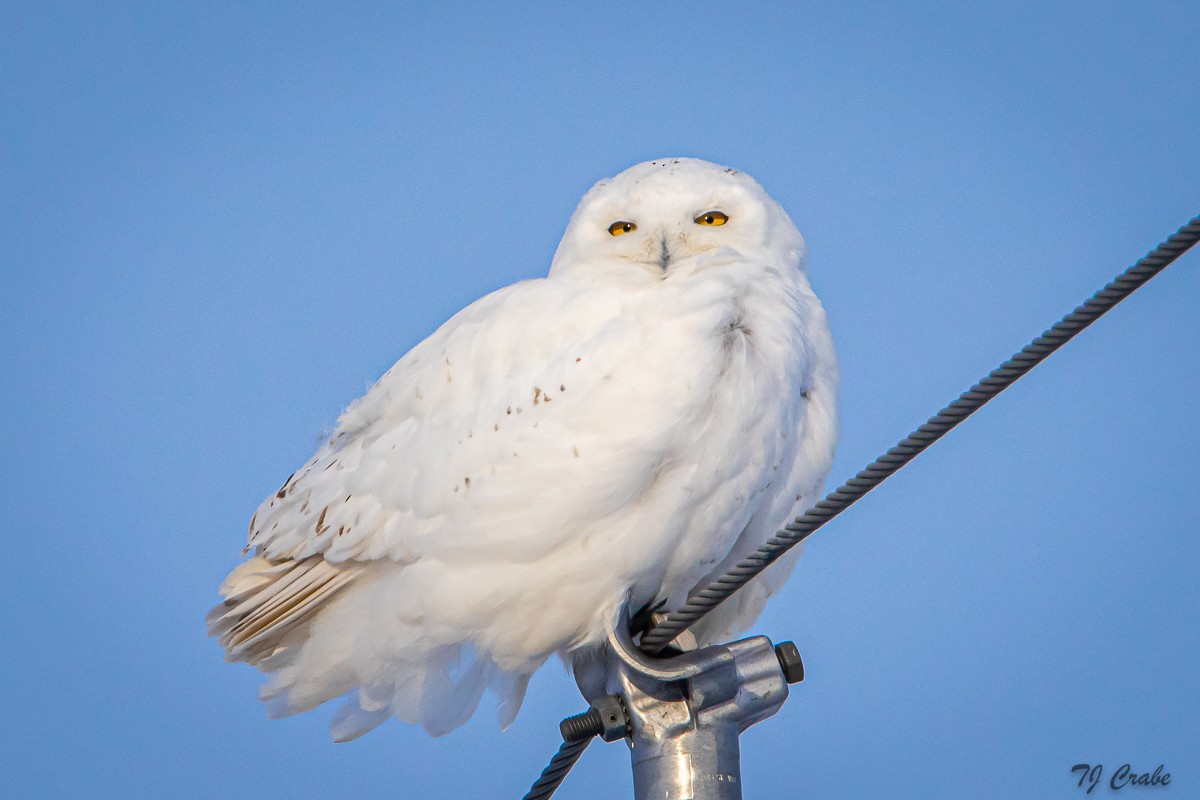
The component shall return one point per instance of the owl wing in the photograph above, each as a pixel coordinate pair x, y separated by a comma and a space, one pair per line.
483, 445
481, 434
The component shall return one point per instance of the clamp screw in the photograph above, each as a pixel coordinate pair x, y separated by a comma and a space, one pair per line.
581, 726
606, 718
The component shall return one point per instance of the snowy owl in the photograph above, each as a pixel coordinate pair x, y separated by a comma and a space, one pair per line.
613, 433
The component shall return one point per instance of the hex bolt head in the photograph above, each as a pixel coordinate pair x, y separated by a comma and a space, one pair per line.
789, 660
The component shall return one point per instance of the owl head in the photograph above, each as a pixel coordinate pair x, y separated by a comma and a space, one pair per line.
673, 217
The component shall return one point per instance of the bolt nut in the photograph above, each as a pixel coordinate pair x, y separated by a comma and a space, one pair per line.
610, 712
790, 662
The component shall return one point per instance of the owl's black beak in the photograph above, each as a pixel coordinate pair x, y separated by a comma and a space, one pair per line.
664, 253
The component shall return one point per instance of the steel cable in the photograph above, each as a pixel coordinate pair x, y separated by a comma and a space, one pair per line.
557, 769
717, 591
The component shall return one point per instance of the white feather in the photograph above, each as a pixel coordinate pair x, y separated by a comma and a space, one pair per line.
652, 410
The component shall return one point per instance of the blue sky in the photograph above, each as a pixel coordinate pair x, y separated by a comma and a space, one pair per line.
220, 222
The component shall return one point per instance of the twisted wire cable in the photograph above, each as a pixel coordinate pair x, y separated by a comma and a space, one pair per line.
879, 470
557, 769
706, 599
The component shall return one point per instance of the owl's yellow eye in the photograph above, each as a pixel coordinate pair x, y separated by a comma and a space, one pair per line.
712, 218
621, 226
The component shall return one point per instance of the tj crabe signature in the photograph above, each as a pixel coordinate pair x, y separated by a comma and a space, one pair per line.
1090, 776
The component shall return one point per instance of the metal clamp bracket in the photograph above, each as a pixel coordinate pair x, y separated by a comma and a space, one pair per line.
682, 716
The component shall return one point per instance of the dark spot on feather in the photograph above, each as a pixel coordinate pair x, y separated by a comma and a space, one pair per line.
578, 359
341, 530
330, 464
575, 450
250, 532
347, 500
467, 482
737, 325
508, 410
304, 507
496, 427
562, 388
537, 393
456, 487
321, 521
283, 489
804, 394
797, 498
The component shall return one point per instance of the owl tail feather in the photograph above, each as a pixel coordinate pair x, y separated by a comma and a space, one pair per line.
269, 604
294, 620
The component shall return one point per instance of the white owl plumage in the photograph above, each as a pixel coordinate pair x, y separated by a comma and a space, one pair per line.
617, 431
